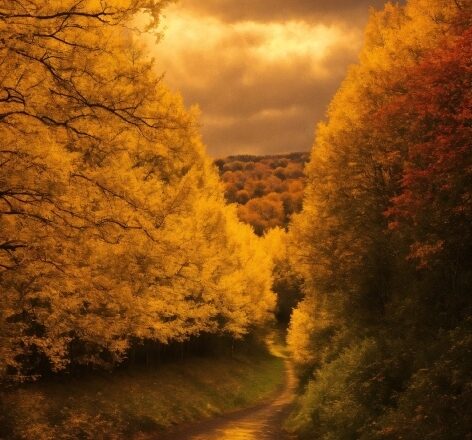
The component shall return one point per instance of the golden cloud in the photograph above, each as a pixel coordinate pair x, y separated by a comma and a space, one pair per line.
261, 85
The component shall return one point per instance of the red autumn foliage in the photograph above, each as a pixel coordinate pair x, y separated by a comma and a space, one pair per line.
435, 114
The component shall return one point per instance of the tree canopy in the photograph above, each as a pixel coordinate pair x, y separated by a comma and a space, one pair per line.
113, 227
383, 240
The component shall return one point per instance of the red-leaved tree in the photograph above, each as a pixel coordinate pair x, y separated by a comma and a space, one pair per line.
434, 113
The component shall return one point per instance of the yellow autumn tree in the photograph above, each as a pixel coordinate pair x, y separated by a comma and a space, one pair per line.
339, 240
112, 223
374, 332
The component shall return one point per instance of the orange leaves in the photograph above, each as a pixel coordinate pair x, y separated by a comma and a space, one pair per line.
269, 189
434, 112
425, 252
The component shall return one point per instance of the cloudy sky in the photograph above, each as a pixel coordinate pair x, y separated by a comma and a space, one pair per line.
261, 71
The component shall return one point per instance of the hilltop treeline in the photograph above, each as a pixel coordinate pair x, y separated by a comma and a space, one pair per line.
267, 189
384, 243
113, 228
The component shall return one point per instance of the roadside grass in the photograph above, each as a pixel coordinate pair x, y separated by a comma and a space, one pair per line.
129, 403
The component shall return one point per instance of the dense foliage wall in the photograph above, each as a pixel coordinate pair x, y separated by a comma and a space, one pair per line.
382, 337
113, 225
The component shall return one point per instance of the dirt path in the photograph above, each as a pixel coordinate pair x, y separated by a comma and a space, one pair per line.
263, 422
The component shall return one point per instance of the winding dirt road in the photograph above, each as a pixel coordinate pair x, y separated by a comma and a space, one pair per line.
263, 422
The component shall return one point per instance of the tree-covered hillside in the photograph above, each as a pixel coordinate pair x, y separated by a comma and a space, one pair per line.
267, 189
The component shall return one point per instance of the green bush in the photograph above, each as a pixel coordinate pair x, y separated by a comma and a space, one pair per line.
437, 404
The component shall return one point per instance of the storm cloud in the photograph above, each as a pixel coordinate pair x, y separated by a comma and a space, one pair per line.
281, 10
262, 72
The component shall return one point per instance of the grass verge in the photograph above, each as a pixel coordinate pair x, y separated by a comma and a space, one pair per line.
130, 403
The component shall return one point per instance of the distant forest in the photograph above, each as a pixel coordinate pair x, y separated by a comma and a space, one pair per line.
268, 189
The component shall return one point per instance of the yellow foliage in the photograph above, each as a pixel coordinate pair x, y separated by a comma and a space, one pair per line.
112, 220
339, 239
